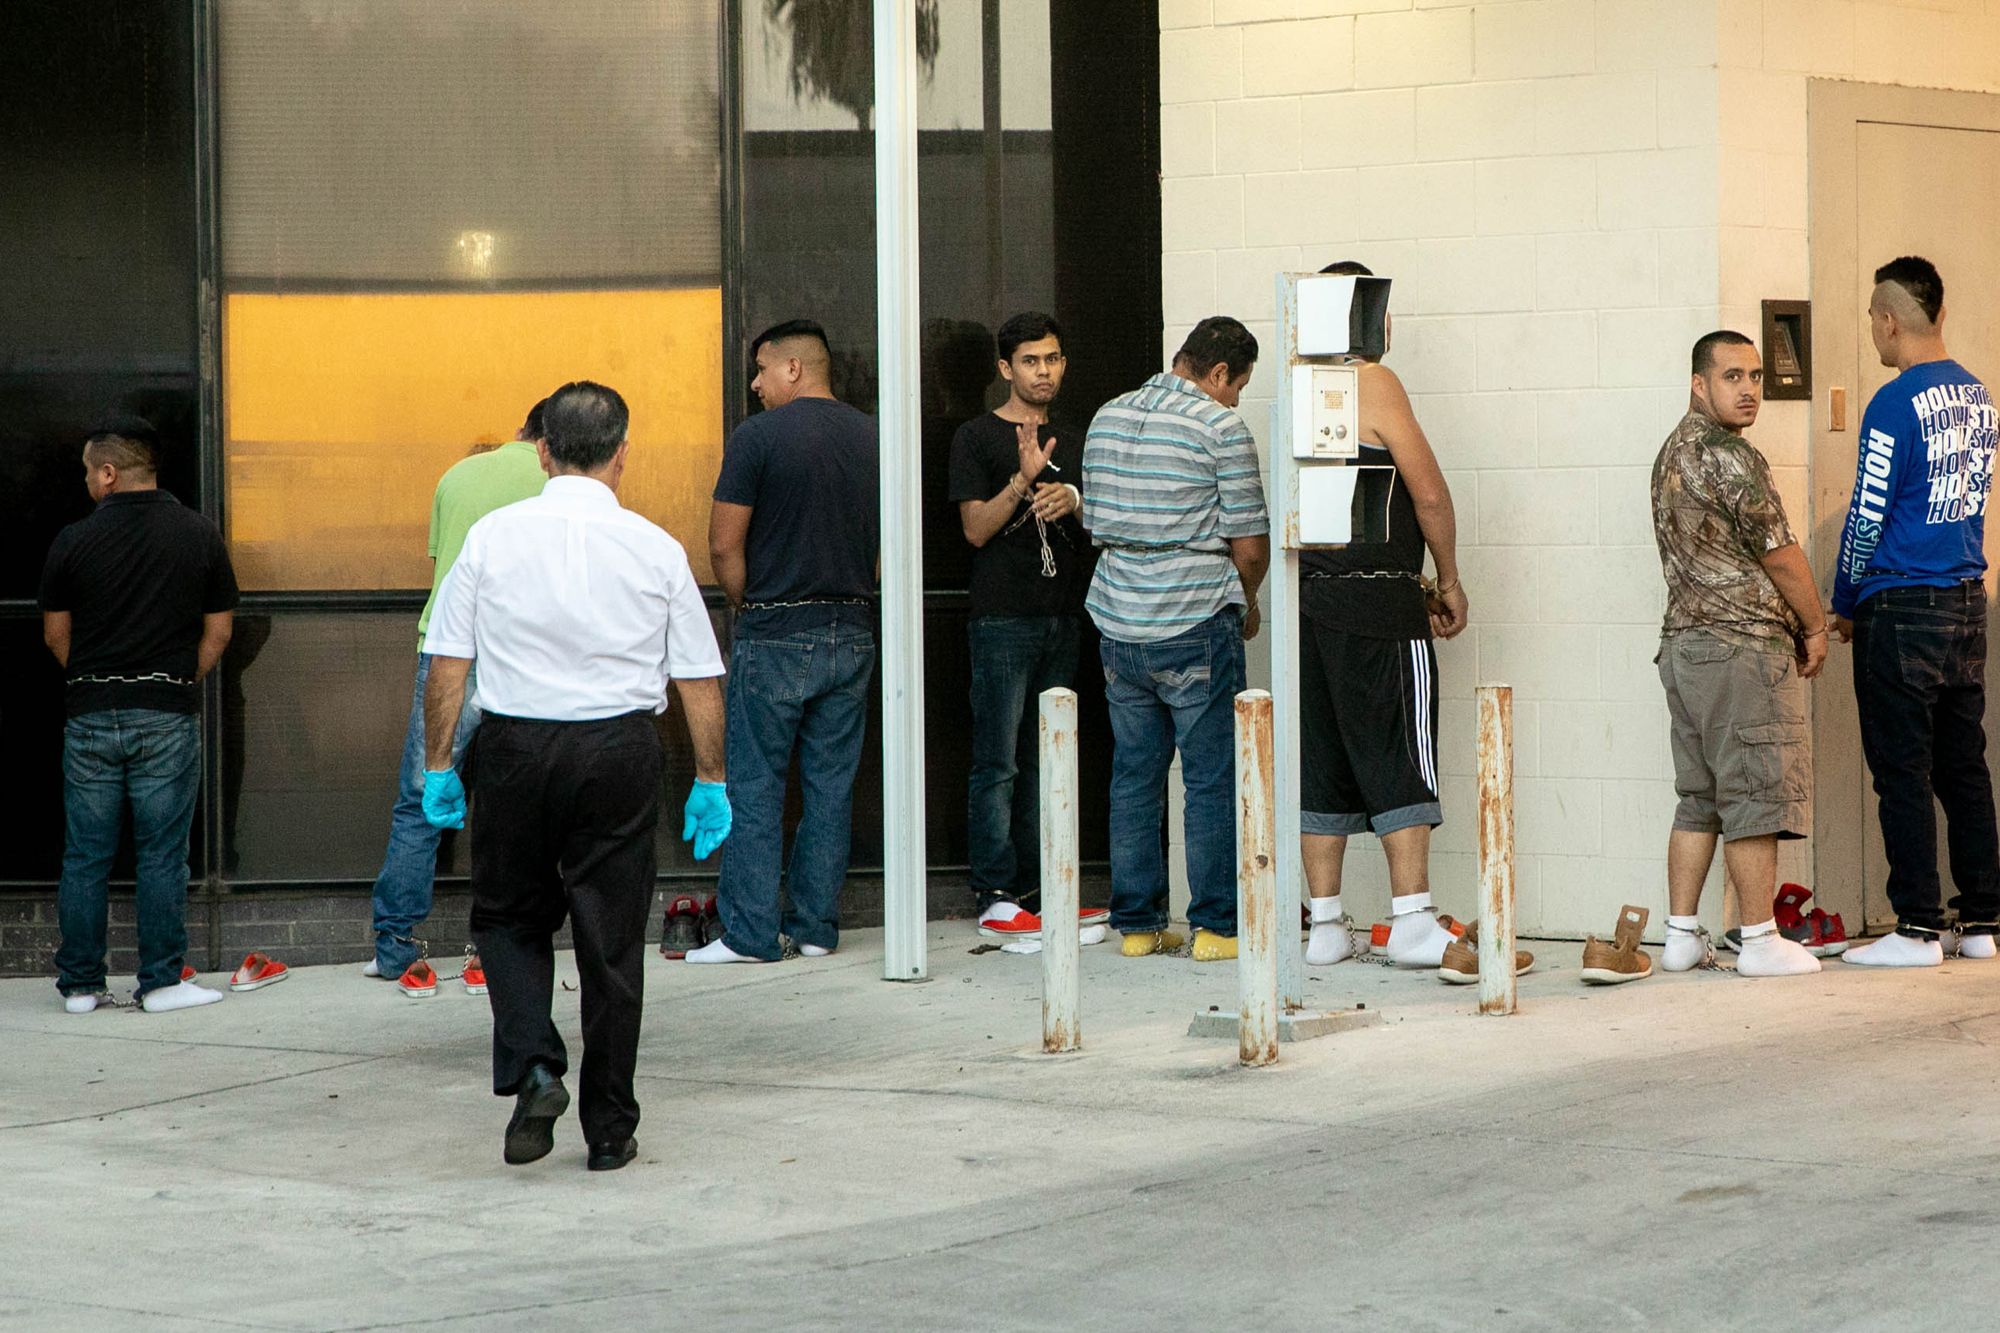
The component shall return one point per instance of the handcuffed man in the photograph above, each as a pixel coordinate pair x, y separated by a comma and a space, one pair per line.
1743, 633
1368, 693
1909, 593
1172, 492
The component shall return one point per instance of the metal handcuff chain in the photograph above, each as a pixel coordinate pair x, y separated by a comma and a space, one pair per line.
1041, 532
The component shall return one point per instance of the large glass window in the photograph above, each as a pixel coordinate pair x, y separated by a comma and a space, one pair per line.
97, 316
433, 214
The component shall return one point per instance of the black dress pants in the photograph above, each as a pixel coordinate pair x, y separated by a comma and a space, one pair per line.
565, 817
1920, 689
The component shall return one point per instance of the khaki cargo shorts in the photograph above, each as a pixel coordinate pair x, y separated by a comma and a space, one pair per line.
1742, 757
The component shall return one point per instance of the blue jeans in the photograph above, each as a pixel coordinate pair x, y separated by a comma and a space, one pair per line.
1920, 690
403, 889
152, 760
809, 689
1014, 658
1177, 693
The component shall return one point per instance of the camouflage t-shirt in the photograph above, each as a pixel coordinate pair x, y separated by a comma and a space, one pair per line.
1716, 514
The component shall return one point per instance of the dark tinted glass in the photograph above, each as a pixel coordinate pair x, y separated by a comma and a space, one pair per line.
315, 708
97, 252
31, 741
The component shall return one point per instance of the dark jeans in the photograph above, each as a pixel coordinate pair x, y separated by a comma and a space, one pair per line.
1920, 688
151, 760
1014, 658
403, 889
567, 812
1169, 694
808, 690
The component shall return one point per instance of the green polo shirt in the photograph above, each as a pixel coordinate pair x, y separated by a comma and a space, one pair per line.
469, 490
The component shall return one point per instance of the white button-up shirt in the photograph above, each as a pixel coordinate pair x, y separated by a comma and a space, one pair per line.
574, 607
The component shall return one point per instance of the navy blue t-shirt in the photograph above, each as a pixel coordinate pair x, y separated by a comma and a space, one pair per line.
1918, 514
809, 473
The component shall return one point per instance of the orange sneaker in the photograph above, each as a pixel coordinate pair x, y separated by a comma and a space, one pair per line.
474, 976
420, 981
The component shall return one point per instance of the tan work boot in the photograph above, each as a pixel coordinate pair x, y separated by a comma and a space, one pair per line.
1622, 959
1210, 947
1139, 943
1461, 959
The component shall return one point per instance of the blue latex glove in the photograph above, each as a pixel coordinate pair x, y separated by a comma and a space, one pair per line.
444, 799
708, 817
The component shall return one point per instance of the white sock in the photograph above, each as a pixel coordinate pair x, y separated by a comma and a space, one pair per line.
371, 969
1329, 941
1897, 950
1090, 935
1002, 910
84, 1002
183, 995
813, 951
1976, 946
1766, 953
1686, 947
1416, 937
718, 951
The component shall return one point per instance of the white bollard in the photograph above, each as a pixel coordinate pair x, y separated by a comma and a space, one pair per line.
1496, 849
1062, 985
1257, 906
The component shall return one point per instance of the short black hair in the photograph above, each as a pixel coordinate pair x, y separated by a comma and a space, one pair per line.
1704, 347
791, 328
1349, 268
1919, 277
128, 443
531, 429
584, 423
1027, 327
1219, 340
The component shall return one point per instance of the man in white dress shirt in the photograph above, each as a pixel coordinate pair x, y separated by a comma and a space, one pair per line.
578, 612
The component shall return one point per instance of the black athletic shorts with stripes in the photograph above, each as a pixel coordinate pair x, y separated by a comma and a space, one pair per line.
1368, 721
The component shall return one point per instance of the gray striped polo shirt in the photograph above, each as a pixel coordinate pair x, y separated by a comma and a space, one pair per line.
1170, 475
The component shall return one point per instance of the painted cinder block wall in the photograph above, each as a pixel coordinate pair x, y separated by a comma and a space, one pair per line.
1567, 193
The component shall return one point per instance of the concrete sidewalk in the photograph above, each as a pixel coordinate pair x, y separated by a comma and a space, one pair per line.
823, 1149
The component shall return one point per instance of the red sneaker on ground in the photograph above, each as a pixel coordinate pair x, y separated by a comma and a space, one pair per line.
1027, 926
258, 970
421, 981
188, 973
474, 976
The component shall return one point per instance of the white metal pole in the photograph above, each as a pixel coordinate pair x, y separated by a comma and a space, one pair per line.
904, 898
1260, 910
1496, 849
1282, 624
1062, 982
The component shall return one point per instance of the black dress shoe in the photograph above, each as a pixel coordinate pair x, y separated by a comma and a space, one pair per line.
531, 1134
611, 1156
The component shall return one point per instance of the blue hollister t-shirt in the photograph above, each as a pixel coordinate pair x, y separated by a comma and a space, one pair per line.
1918, 515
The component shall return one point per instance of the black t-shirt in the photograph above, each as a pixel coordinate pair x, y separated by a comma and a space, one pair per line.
136, 577
1375, 608
809, 472
1007, 572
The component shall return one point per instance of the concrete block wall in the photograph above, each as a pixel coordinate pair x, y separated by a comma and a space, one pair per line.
1767, 51
1541, 179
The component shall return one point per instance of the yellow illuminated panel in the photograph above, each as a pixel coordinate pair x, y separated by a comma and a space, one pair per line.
342, 411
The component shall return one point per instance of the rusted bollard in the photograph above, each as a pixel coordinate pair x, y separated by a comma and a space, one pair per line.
1062, 986
1257, 922
1496, 849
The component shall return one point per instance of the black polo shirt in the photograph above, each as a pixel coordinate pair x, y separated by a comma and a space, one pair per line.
137, 577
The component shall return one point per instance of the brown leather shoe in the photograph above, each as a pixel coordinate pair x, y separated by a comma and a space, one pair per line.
1461, 958
1622, 959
